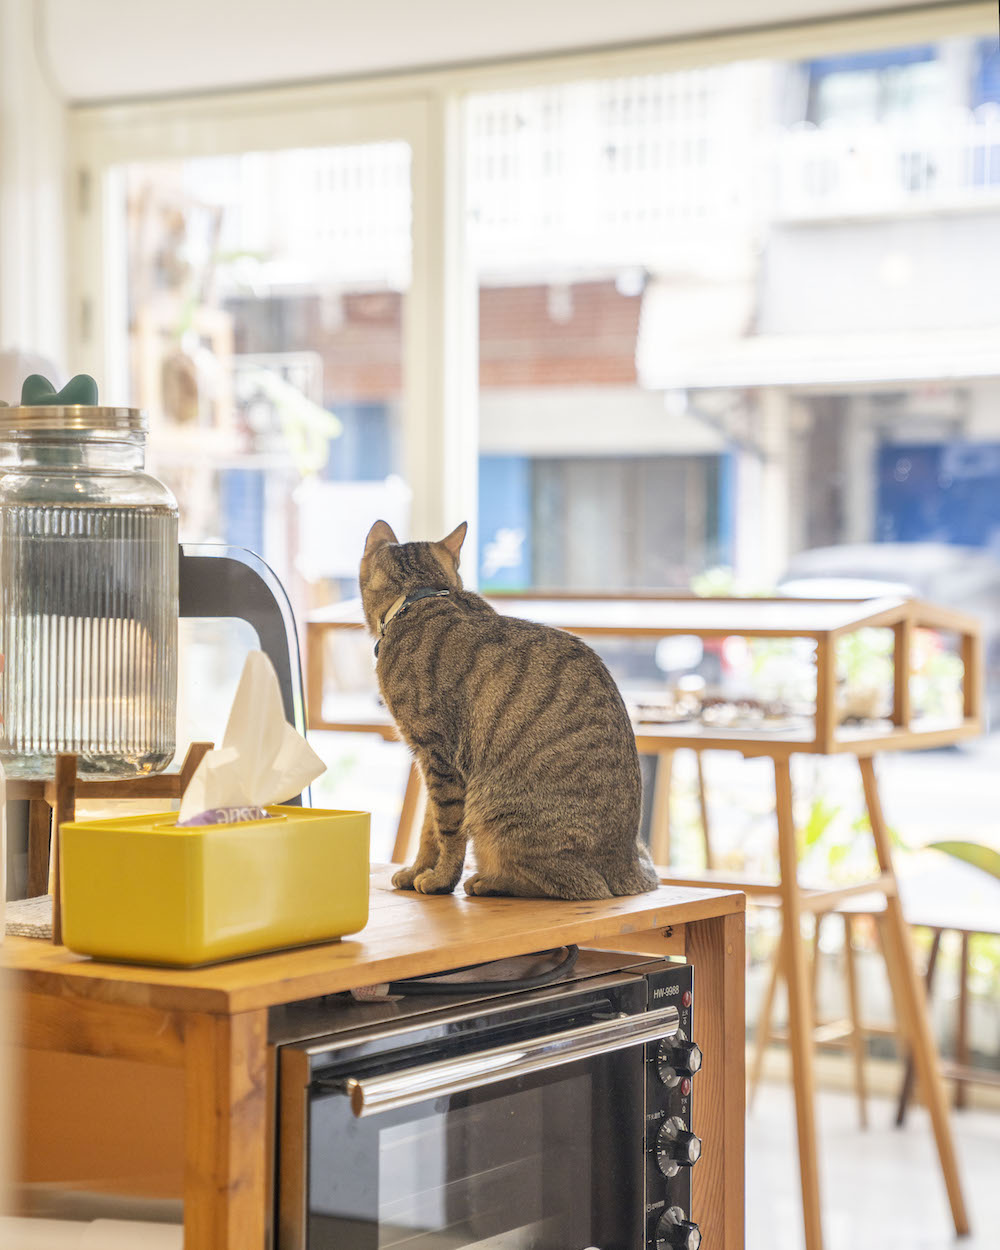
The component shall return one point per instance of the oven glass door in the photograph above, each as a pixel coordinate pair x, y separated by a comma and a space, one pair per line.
548, 1161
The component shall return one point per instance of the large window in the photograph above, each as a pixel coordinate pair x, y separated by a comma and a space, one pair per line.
706, 324
730, 314
606, 216
265, 297
737, 329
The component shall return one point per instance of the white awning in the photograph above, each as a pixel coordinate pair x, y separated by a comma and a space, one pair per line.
810, 361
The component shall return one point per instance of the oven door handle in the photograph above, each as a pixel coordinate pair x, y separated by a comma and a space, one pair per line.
372, 1095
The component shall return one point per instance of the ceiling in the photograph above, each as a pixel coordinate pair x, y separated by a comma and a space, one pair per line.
115, 49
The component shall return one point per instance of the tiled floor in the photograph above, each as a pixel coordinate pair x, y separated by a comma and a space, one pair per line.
881, 1188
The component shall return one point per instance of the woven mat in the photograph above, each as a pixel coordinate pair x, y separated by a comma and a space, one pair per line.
30, 917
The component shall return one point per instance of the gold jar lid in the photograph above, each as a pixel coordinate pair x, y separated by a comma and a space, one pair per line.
70, 418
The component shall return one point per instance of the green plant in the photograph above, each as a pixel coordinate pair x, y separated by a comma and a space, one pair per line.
975, 853
864, 658
722, 583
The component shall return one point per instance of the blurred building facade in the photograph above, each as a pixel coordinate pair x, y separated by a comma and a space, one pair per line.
725, 315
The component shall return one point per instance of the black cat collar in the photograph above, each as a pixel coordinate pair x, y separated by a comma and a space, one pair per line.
403, 604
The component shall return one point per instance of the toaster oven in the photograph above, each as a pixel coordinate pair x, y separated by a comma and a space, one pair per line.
547, 1119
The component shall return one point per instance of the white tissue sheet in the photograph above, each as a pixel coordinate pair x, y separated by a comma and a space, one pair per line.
262, 758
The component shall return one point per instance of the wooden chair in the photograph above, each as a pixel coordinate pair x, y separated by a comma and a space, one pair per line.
941, 896
849, 1032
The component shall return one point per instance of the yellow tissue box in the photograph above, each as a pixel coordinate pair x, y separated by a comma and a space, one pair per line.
139, 889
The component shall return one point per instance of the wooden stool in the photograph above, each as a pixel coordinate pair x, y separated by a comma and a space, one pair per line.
794, 900
53, 803
849, 1032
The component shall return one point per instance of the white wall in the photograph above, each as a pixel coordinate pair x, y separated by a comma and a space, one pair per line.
903, 273
984, 412
32, 186
588, 421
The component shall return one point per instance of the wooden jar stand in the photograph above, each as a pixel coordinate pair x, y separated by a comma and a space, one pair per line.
52, 803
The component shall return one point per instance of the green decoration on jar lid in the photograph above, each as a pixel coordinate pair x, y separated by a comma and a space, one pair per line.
80, 391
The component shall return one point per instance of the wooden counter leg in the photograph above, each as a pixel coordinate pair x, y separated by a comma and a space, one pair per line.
800, 1016
716, 948
917, 1017
225, 1138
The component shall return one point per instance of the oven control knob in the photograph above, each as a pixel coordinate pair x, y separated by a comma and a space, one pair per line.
674, 1230
676, 1148
677, 1058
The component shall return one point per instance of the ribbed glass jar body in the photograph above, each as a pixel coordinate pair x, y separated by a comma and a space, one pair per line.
88, 604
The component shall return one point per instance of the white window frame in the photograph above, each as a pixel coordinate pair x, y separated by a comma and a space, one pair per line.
440, 332
436, 434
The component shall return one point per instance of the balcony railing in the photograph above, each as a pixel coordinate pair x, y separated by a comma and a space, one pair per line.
670, 173
938, 165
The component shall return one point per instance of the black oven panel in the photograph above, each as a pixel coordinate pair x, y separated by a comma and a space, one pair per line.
542, 1118
672, 1149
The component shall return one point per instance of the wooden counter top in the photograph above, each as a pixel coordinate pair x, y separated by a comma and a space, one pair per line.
407, 935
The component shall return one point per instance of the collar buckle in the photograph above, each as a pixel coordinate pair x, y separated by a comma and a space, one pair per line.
403, 604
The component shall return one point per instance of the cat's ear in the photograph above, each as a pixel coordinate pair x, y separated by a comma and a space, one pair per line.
379, 534
453, 543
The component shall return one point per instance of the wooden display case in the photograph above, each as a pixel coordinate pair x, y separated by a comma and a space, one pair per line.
824, 729
823, 622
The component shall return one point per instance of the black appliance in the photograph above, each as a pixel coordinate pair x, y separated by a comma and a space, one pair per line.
547, 1119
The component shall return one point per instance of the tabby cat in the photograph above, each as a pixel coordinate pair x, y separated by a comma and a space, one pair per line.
519, 731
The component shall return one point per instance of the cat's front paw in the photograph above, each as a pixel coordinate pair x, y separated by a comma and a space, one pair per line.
433, 882
403, 880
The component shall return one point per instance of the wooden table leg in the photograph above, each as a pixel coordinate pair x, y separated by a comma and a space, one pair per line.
225, 1135
857, 1037
409, 818
814, 968
706, 828
800, 1020
962, 1021
716, 948
906, 1092
763, 1030
911, 987
659, 821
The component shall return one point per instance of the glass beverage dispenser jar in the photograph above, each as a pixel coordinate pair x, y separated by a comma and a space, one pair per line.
88, 589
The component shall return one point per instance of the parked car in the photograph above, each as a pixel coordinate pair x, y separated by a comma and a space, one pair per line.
964, 578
